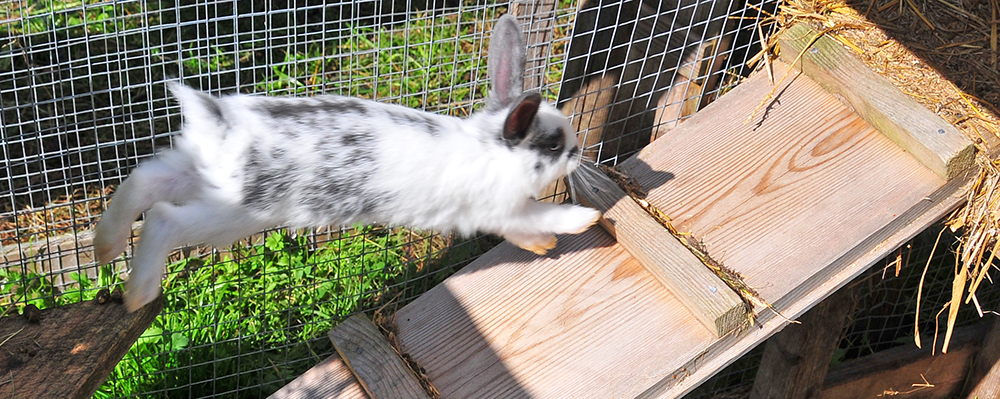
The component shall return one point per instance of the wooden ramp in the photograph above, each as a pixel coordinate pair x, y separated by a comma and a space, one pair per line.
799, 200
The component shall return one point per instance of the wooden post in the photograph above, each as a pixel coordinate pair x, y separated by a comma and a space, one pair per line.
984, 378
376, 365
796, 359
537, 16
711, 301
931, 140
696, 75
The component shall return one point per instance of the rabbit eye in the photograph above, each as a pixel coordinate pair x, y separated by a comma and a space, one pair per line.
555, 147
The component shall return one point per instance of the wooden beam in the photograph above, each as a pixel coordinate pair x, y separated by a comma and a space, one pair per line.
375, 364
931, 140
796, 359
711, 301
901, 371
70, 350
330, 379
984, 378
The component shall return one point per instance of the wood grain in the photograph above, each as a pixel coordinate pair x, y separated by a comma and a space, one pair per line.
330, 379
782, 196
800, 200
935, 143
587, 321
71, 351
708, 298
374, 363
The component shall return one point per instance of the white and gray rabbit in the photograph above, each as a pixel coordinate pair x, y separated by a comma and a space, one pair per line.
247, 163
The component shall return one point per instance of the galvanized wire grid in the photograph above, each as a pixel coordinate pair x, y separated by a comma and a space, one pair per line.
626, 56
82, 102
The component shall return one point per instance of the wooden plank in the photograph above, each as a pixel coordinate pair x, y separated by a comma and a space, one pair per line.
798, 204
70, 351
796, 360
376, 365
330, 379
761, 199
984, 378
934, 142
585, 321
831, 278
708, 298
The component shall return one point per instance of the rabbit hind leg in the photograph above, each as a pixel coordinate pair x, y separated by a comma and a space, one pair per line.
154, 181
169, 226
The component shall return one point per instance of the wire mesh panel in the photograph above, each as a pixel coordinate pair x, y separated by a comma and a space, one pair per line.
83, 101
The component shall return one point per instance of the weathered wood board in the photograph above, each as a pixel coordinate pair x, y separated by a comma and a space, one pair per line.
927, 137
70, 351
780, 201
587, 321
708, 298
799, 200
375, 364
330, 379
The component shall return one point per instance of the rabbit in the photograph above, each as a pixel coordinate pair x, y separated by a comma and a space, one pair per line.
243, 164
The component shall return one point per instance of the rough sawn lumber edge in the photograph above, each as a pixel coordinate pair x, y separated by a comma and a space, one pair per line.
708, 298
378, 368
931, 140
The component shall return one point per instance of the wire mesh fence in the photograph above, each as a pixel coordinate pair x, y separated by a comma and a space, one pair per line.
83, 101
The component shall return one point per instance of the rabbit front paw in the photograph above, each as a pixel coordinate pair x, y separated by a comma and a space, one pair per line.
537, 243
576, 219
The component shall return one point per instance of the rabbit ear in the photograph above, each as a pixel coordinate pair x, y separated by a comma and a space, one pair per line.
506, 61
515, 128
198, 108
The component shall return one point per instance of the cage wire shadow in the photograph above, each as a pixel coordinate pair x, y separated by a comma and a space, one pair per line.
82, 102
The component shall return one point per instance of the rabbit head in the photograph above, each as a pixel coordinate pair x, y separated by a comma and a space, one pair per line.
531, 126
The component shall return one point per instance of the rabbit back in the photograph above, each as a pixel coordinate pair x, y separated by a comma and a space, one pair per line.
340, 160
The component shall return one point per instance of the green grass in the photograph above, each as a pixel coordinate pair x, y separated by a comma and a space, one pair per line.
256, 316
227, 324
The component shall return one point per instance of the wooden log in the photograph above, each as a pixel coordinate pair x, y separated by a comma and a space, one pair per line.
984, 378
931, 140
70, 351
796, 359
375, 364
711, 301
330, 379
